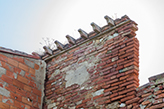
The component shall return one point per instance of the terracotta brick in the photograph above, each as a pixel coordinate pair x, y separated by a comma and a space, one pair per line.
21, 92
23, 67
146, 102
18, 84
113, 95
127, 90
132, 85
7, 66
15, 96
160, 96
97, 96
3, 57
4, 106
22, 79
110, 89
32, 71
36, 66
10, 87
132, 100
7, 79
145, 95
10, 74
19, 59
19, 105
157, 106
17, 70
127, 98
12, 62
37, 92
12, 107
27, 88
26, 101
117, 97
32, 96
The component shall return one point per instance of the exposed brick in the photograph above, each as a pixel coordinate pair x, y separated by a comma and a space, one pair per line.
132, 100
18, 83
27, 88
36, 67
32, 71
7, 79
127, 98
37, 92
18, 104
4, 106
12, 62
22, 79
26, 101
23, 67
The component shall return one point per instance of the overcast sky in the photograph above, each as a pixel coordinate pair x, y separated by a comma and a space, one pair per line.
23, 24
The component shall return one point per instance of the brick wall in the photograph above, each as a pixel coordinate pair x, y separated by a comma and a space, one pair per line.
21, 80
150, 95
98, 70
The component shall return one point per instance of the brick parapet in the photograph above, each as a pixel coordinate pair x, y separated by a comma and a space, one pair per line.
98, 72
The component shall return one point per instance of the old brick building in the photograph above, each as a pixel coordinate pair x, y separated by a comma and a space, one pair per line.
97, 71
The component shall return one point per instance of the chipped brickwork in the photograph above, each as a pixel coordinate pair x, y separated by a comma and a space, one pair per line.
99, 70
21, 80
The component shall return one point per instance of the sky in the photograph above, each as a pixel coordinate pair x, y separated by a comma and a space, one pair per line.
25, 24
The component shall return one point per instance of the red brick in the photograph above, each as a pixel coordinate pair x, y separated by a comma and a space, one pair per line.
15, 96
146, 102
26, 101
32, 71
21, 92
19, 59
10, 74
113, 95
36, 67
17, 70
124, 77
146, 94
27, 88
4, 106
32, 84
32, 96
108, 101
160, 96
110, 89
23, 67
127, 83
3, 57
99, 96
158, 106
22, 79
7, 79
132, 85
127, 98
19, 105
10, 87
12, 107
132, 100
18, 83
7, 66
12, 62
117, 97
127, 90
158, 92
37, 92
